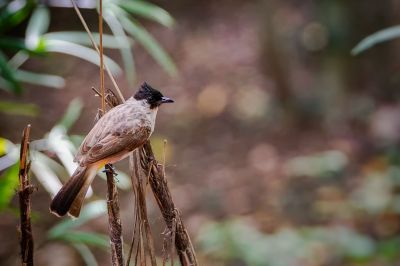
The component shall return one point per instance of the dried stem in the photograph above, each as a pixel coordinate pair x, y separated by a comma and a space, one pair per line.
103, 102
114, 220
139, 187
24, 192
159, 185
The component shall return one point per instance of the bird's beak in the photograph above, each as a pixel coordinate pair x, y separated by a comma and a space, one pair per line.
166, 100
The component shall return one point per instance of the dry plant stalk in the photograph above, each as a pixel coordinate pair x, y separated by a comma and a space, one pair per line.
24, 192
159, 185
142, 232
114, 220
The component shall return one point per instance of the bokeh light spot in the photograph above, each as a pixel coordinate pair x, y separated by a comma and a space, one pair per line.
212, 100
314, 36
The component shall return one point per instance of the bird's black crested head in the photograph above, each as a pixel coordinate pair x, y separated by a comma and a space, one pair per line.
153, 96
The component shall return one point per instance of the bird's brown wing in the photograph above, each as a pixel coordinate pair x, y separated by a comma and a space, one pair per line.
115, 144
115, 132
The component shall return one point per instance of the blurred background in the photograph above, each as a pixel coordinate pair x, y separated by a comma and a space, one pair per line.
283, 141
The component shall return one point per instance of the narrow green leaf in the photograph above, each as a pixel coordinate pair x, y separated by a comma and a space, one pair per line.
15, 13
123, 41
18, 59
82, 52
90, 211
13, 44
38, 25
47, 80
80, 37
149, 43
5, 85
53, 165
44, 174
376, 38
9, 75
76, 139
3, 146
9, 154
8, 185
72, 114
148, 10
95, 239
13, 108
86, 254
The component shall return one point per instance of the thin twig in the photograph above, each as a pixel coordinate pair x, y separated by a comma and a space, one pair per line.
173, 236
120, 95
138, 184
164, 155
103, 101
25, 190
135, 219
114, 220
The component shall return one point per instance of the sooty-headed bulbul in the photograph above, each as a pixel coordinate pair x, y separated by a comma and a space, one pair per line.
121, 130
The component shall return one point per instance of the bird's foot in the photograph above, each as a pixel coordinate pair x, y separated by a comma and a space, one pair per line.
109, 168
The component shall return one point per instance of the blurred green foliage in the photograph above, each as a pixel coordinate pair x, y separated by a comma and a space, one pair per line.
15, 51
13, 108
376, 38
239, 242
51, 158
65, 231
8, 185
51, 161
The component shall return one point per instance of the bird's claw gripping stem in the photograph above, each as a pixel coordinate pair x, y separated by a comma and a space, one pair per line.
110, 169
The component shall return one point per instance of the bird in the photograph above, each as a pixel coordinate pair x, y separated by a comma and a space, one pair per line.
115, 135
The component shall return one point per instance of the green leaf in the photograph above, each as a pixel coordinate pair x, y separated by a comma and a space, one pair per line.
90, 211
18, 59
13, 108
17, 44
8, 185
76, 139
148, 10
3, 146
72, 114
149, 43
57, 168
376, 38
80, 37
47, 80
389, 249
44, 174
38, 25
9, 76
86, 254
82, 52
95, 239
15, 13
123, 41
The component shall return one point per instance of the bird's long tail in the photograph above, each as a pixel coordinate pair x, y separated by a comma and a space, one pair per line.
71, 196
